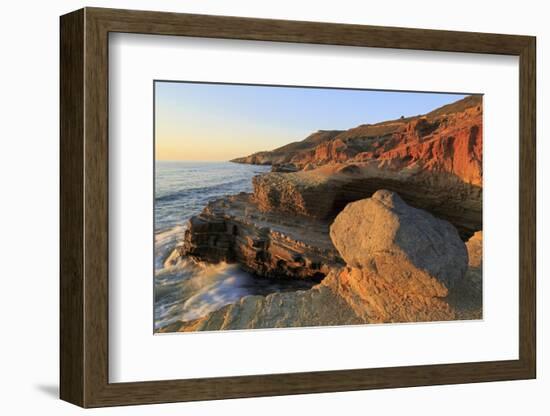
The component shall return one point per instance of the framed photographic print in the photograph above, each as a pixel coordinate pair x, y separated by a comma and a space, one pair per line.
255, 207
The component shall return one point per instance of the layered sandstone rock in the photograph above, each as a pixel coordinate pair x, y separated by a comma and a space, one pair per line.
404, 266
446, 140
433, 161
450, 143
267, 244
291, 153
323, 192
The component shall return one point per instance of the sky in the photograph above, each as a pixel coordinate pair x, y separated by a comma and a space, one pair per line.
216, 122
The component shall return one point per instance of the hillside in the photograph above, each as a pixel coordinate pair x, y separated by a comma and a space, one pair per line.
447, 139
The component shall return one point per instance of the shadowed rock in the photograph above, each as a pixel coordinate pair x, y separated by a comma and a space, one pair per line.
467, 296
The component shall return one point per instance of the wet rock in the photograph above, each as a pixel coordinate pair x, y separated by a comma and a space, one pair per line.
274, 245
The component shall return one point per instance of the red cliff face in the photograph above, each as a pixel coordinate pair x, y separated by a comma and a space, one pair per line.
447, 140
451, 144
333, 151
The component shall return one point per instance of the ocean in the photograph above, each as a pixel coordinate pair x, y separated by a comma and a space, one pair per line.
191, 289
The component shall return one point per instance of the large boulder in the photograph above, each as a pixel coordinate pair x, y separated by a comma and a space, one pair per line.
385, 235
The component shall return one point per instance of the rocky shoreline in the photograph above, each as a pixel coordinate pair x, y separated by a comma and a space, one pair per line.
267, 244
386, 218
403, 275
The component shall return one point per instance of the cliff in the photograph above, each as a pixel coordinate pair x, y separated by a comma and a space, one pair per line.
285, 154
402, 265
446, 140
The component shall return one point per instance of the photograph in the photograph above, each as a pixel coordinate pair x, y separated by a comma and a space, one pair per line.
292, 206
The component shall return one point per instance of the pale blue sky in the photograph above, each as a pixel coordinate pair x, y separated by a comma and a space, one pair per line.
221, 121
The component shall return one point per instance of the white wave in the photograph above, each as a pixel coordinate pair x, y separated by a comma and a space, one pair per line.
190, 289
169, 235
218, 285
165, 241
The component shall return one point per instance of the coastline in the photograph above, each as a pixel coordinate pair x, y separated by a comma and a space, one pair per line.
283, 228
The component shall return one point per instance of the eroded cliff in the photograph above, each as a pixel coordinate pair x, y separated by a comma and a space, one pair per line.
446, 140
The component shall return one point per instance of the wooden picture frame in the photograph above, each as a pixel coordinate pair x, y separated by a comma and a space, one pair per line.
84, 207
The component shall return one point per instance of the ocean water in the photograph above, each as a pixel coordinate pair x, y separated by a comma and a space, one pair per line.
190, 289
